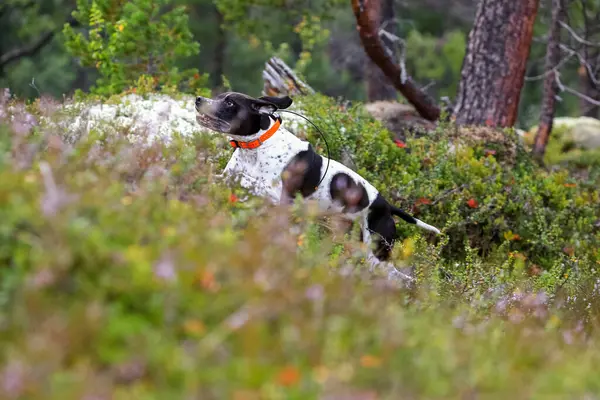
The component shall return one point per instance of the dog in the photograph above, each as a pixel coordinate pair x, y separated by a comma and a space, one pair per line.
272, 162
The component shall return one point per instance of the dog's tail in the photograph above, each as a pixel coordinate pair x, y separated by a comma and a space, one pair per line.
412, 220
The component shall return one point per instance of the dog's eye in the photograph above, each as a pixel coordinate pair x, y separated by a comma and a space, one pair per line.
229, 103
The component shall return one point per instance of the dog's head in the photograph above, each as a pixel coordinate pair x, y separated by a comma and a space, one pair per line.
238, 114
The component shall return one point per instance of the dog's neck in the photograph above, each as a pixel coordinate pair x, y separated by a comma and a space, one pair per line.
258, 134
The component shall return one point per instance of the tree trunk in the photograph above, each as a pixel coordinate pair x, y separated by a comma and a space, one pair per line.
219, 60
378, 85
366, 13
550, 84
493, 70
82, 79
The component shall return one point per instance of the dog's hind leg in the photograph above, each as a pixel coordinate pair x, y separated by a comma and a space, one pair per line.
384, 234
382, 230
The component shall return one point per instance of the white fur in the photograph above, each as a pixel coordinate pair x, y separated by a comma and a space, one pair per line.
428, 227
260, 169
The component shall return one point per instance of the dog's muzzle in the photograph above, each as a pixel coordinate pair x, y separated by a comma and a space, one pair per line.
205, 116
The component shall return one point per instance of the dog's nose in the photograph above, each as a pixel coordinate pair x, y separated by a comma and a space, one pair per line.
199, 101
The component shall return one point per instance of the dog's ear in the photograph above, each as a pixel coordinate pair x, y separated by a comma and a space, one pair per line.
264, 107
280, 102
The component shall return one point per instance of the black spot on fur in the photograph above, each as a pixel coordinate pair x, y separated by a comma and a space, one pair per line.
381, 223
302, 174
265, 121
353, 196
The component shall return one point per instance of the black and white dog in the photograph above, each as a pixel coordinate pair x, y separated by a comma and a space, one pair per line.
272, 162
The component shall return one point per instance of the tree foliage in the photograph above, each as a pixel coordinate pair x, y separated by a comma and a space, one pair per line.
318, 38
126, 41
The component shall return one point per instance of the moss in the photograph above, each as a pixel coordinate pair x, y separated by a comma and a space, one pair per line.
562, 149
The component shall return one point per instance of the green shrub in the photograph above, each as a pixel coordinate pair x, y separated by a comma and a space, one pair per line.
468, 190
134, 42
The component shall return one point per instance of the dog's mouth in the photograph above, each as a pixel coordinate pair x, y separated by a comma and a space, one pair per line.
212, 123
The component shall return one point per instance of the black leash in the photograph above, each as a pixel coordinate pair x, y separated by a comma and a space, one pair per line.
322, 135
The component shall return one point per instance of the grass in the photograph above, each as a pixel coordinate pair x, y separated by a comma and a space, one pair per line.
126, 272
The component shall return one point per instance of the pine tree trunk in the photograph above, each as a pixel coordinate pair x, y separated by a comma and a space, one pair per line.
550, 84
379, 86
494, 66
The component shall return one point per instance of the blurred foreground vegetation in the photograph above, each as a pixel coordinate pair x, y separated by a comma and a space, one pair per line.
127, 273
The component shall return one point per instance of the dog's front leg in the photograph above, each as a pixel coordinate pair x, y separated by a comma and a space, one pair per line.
230, 167
229, 170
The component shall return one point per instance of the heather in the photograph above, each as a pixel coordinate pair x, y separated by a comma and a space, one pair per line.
128, 271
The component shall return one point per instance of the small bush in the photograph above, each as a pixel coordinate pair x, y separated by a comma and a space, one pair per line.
134, 43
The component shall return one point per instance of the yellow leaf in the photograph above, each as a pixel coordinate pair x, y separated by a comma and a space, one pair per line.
245, 395
408, 248
321, 374
135, 254
30, 178
169, 231
554, 322
254, 42
345, 372
369, 361
194, 327
511, 236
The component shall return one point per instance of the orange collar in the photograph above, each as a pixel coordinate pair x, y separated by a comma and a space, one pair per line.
257, 142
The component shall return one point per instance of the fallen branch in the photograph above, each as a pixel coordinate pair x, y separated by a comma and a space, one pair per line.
367, 25
280, 80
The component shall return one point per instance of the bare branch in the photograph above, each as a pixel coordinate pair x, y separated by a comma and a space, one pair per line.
26, 51
577, 37
584, 62
33, 48
367, 25
558, 66
574, 92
